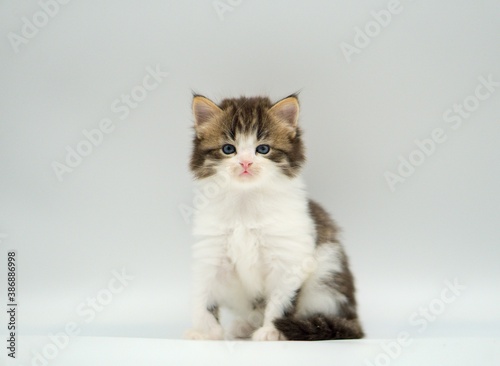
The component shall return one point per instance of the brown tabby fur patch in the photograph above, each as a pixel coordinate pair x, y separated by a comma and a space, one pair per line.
342, 282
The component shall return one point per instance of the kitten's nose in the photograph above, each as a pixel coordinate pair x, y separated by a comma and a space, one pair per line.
245, 164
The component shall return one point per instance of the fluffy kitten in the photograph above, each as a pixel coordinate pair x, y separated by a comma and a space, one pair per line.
265, 250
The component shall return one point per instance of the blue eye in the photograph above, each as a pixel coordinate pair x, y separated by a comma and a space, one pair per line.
263, 149
228, 149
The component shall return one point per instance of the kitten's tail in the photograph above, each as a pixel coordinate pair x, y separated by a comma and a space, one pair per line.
318, 328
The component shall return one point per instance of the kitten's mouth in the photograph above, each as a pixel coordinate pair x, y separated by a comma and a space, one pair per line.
245, 173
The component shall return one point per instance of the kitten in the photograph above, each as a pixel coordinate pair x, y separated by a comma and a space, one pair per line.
265, 250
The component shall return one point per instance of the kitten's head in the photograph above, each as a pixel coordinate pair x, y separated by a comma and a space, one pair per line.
250, 139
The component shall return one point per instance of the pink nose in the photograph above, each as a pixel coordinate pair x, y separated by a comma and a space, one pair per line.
245, 164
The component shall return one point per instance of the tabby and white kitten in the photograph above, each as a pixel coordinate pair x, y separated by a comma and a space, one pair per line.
265, 250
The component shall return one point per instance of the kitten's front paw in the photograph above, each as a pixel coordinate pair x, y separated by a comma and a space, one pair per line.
268, 333
194, 334
214, 334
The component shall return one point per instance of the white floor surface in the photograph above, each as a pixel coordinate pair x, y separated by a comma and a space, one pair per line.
107, 351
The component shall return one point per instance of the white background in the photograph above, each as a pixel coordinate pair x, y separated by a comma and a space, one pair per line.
120, 207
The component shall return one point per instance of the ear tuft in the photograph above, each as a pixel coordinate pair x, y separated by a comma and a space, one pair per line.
287, 110
204, 110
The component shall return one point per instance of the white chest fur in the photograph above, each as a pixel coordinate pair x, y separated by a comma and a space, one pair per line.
251, 233
245, 252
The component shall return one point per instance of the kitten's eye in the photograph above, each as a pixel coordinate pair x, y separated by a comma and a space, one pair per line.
228, 149
263, 149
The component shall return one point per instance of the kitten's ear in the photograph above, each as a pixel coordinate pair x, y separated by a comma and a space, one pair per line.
203, 110
287, 110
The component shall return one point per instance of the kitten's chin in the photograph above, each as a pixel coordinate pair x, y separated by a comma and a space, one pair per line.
246, 178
